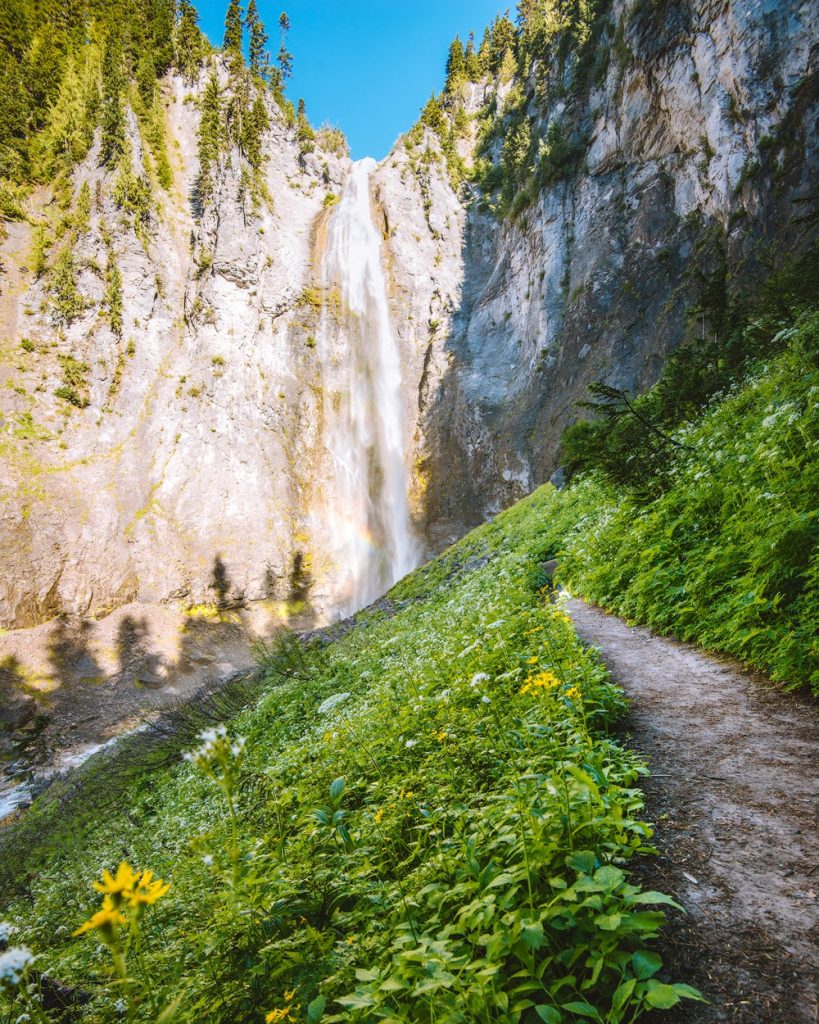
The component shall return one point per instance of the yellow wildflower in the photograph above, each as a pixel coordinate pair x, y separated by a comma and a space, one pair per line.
542, 681
147, 890
441, 736
532, 661
379, 814
120, 884
105, 920
573, 693
283, 1012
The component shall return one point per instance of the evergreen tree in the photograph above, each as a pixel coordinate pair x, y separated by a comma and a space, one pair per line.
14, 119
188, 49
483, 50
159, 23
233, 28
285, 58
503, 37
113, 117
210, 136
433, 115
258, 40
255, 124
455, 65
472, 64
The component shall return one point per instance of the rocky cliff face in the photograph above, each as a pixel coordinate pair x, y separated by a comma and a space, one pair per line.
195, 468
697, 171
188, 473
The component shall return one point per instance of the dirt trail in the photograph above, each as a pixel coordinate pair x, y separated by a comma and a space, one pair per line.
734, 795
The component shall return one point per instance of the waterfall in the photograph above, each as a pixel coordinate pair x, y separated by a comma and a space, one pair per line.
366, 531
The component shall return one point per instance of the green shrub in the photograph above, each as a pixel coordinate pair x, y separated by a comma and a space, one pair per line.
332, 140
68, 302
726, 554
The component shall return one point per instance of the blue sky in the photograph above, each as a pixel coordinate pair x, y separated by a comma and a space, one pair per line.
367, 66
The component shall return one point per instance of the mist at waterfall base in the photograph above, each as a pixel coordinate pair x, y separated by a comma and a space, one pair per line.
364, 521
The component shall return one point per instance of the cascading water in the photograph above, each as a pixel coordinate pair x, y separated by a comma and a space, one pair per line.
366, 531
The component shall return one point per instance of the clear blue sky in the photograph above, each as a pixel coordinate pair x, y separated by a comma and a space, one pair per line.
367, 66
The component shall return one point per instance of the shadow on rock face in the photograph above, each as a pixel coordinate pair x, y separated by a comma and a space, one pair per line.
137, 662
17, 709
69, 652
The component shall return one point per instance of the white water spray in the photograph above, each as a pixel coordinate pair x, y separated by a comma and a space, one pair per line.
367, 532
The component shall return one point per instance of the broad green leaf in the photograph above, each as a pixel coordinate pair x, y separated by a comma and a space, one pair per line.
608, 922
645, 963
532, 935
549, 1014
315, 1009
609, 877
583, 1009
357, 1001
689, 992
622, 993
582, 860
653, 898
660, 996
337, 788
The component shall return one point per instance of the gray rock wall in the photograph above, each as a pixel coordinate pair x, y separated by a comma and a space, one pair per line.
700, 168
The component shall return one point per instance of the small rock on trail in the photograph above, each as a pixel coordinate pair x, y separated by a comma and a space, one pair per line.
734, 797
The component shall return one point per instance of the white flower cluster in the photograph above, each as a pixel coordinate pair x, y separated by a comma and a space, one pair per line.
215, 745
13, 964
7, 929
331, 702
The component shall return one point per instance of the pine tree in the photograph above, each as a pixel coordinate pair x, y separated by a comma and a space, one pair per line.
483, 50
113, 117
188, 42
233, 28
210, 137
14, 119
255, 124
455, 65
258, 40
472, 64
285, 58
433, 115
159, 23
502, 38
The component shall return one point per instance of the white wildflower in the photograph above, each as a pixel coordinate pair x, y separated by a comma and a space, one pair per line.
486, 700
410, 743
13, 964
331, 702
207, 860
479, 677
7, 929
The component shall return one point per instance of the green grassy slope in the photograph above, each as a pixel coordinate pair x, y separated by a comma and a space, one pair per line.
727, 553
431, 824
